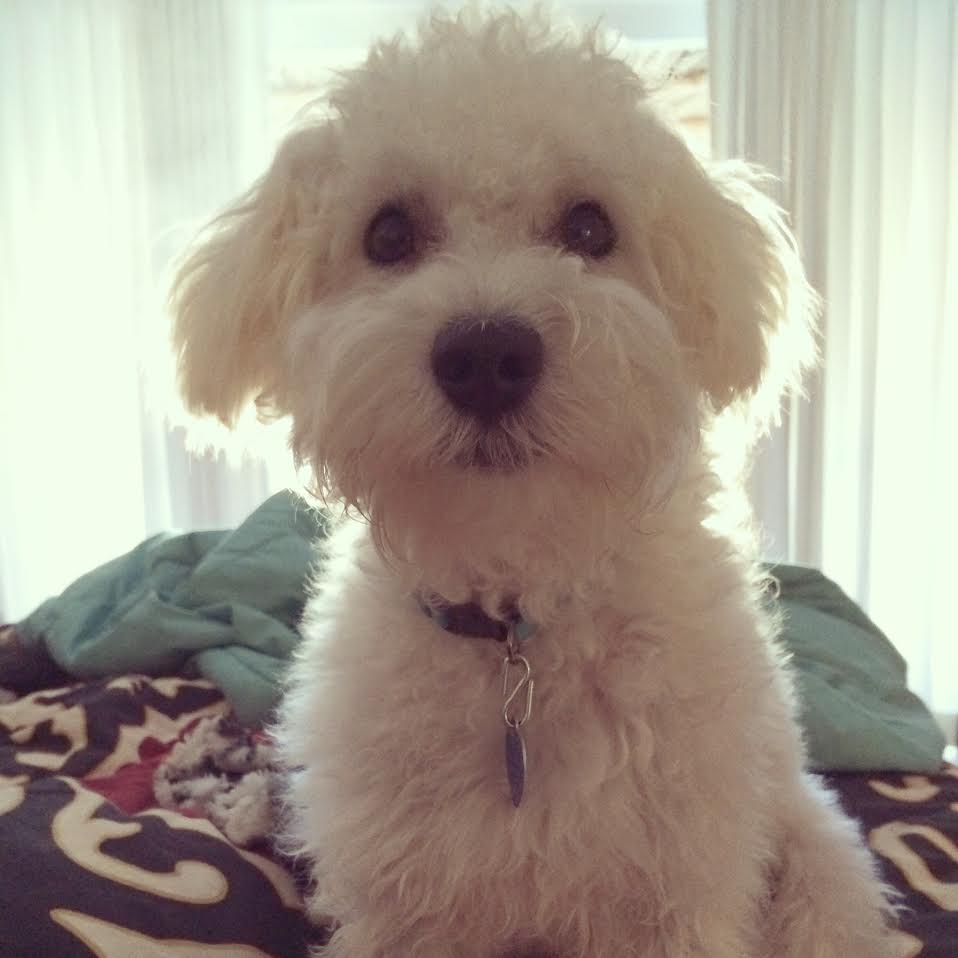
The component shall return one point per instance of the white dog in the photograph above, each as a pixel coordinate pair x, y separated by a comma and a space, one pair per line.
502, 304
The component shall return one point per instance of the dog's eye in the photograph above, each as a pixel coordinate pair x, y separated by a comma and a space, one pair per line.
587, 230
390, 237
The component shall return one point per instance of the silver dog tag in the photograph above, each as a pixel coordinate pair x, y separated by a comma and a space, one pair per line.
515, 764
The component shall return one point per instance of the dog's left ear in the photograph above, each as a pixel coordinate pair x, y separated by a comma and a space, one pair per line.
258, 265
732, 281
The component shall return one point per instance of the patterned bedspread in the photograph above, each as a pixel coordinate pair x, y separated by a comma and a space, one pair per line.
93, 866
912, 825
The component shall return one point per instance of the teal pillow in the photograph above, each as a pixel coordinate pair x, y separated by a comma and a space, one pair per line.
856, 709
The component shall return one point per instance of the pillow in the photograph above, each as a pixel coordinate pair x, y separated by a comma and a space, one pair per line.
856, 708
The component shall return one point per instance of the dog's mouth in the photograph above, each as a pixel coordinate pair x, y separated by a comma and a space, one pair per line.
484, 460
480, 458
496, 451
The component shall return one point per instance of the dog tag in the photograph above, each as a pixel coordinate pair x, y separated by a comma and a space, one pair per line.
515, 764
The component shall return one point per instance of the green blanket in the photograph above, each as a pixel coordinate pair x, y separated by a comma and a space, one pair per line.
225, 605
856, 709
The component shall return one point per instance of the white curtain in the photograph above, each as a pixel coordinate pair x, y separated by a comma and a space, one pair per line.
853, 104
121, 125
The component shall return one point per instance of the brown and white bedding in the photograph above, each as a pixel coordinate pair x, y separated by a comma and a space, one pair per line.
94, 864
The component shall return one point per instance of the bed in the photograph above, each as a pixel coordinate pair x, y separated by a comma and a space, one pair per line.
138, 792
96, 865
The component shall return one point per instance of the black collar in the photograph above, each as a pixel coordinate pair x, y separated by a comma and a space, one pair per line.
471, 620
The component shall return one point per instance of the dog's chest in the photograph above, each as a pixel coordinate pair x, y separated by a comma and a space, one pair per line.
408, 761
444, 717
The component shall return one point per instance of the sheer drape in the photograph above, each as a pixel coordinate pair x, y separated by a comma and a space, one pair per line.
854, 105
121, 123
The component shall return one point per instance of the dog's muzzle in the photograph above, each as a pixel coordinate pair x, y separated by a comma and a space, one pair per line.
487, 366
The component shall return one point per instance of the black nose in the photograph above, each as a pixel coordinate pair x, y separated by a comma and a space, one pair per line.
487, 366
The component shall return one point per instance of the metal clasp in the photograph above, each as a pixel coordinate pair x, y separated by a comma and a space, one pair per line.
524, 681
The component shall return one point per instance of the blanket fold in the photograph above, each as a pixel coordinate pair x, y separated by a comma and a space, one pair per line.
221, 604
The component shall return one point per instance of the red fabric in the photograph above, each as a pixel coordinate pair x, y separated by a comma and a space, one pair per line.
130, 787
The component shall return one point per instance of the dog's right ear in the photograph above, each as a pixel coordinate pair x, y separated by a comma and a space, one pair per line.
255, 267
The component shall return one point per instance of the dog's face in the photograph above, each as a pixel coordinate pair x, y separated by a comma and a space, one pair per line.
494, 291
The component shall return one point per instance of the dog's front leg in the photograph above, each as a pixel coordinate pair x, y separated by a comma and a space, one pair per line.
827, 902
360, 939
427, 938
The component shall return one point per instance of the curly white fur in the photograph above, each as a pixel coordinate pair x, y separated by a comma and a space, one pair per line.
667, 812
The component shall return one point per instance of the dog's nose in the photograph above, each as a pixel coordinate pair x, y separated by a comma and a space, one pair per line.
487, 366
